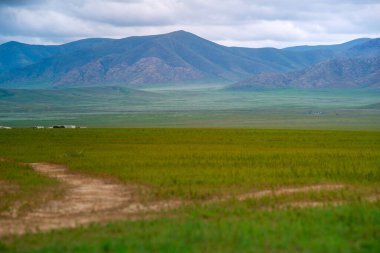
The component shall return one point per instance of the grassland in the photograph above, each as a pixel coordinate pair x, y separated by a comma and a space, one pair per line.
196, 164
199, 162
198, 106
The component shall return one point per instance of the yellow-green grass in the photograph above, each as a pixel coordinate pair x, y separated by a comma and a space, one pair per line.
195, 164
21, 188
199, 163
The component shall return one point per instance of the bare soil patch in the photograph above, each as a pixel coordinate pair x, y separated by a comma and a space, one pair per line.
7, 187
87, 200
281, 191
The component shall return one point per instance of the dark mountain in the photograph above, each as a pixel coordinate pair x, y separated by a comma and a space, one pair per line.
370, 48
173, 57
17, 55
338, 73
335, 48
176, 57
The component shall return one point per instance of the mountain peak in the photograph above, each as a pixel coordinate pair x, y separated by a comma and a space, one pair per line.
180, 33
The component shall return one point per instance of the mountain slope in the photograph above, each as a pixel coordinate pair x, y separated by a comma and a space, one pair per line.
336, 47
337, 73
176, 57
370, 48
17, 55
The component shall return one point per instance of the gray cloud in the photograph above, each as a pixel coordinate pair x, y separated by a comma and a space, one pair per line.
252, 23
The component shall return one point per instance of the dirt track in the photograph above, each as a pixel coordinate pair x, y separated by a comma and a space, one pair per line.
91, 200
87, 200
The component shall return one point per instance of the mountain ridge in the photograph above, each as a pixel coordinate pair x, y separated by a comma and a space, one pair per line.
359, 72
176, 57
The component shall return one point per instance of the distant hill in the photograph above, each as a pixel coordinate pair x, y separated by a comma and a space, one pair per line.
89, 99
338, 73
17, 55
370, 48
337, 47
177, 57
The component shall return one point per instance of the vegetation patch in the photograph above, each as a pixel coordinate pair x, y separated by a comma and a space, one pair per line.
238, 228
21, 188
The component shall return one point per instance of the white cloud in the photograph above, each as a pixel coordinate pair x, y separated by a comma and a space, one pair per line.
255, 23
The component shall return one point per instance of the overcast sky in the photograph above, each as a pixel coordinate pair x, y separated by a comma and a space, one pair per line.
249, 23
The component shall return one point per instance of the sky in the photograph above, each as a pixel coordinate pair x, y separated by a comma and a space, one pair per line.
247, 23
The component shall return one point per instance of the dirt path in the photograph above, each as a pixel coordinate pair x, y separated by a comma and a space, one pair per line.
87, 200
280, 191
91, 200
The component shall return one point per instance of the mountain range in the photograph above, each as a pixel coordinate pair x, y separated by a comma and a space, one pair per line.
181, 57
336, 73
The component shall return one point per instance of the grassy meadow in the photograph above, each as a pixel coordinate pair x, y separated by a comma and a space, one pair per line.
192, 106
198, 164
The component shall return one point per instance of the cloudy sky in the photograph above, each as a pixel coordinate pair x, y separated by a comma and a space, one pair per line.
249, 23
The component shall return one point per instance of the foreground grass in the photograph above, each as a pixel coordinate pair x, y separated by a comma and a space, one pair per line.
20, 186
199, 163
195, 164
352, 228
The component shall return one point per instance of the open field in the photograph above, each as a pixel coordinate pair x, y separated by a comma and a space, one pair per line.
193, 106
362, 119
195, 163
200, 168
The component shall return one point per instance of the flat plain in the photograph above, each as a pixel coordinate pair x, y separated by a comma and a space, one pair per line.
220, 177
206, 105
